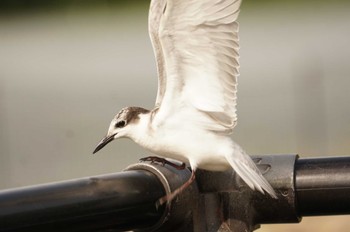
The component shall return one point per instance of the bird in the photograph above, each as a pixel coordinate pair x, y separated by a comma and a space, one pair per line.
196, 48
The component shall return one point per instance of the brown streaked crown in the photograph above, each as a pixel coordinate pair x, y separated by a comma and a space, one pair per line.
129, 114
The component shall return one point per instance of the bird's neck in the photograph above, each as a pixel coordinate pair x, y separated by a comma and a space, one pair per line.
142, 132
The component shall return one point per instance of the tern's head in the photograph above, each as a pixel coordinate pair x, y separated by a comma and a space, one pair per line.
121, 125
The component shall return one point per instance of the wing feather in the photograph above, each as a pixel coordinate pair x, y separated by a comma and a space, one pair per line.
196, 45
157, 8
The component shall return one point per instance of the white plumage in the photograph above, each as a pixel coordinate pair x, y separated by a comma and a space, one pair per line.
196, 47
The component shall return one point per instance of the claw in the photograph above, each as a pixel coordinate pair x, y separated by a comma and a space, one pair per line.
155, 159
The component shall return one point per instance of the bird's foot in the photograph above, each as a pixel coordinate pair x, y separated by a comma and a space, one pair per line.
156, 159
169, 197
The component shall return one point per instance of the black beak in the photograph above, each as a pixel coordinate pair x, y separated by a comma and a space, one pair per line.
103, 143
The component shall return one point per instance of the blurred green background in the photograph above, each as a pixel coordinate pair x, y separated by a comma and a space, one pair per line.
66, 67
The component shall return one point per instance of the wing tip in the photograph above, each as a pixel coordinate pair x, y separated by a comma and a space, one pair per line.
251, 176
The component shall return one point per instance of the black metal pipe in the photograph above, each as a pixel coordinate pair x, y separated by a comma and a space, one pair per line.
114, 202
323, 186
126, 200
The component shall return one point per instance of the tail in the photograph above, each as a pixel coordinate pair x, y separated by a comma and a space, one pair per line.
248, 171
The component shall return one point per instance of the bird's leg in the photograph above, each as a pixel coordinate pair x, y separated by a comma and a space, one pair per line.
163, 161
168, 198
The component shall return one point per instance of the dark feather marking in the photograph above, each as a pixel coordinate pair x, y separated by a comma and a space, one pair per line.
130, 114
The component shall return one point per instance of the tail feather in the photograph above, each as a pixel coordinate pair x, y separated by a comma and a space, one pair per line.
247, 170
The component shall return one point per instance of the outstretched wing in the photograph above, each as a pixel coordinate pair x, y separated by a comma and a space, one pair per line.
155, 13
196, 45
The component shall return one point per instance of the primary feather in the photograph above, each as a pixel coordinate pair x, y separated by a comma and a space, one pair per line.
196, 47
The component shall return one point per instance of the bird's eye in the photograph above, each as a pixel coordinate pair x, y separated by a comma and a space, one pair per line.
120, 124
